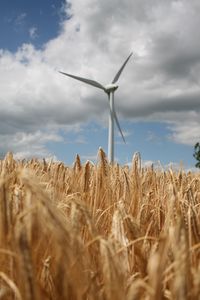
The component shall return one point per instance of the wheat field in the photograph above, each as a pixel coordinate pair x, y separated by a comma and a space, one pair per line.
98, 231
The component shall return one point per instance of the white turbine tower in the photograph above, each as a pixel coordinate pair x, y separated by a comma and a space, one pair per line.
109, 90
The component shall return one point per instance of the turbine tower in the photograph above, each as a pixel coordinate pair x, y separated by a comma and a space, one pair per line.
109, 90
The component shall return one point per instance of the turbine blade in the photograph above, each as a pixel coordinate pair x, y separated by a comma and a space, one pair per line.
88, 81
121, 69
114, 115
117, 122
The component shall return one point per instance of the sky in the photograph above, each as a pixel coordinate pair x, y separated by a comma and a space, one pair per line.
46, 114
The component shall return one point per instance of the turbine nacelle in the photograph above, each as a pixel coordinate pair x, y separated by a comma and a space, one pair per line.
111, 88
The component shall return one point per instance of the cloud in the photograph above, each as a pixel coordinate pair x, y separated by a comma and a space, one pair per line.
187, 133
27, 144
20, 19
33, 32
152, 137
80, 140
160, 83
19, 22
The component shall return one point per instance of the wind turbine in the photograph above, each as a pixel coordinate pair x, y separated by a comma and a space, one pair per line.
109, 90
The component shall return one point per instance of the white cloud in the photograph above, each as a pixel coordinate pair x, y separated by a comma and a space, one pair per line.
152, 137
80, 140
33, 32
186, 133
161, 82
20, 19
28, 144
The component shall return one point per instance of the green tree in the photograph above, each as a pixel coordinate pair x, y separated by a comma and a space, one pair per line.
197, 154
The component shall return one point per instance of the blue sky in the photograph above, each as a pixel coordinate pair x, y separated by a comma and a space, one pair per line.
18, 17
45, 114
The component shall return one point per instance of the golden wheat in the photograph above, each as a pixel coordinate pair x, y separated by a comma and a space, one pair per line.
98, 231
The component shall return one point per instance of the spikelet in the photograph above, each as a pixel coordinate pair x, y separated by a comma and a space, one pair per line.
182, 281
8, 164
77, 165
136, 162
103, 162
4, 222
156, 267
46, 278
86, 177
118, 233
27, 271
111, 272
